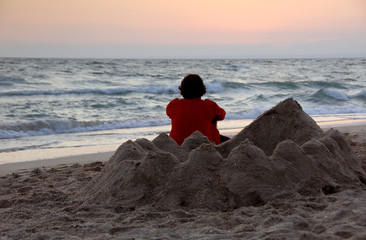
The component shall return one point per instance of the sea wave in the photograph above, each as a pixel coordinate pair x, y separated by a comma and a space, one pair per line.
236, 67
235, 85
279, 84
325, 94
335, 94
49, 127
10, 81
322, 84
97, 91
212, 87
361, 95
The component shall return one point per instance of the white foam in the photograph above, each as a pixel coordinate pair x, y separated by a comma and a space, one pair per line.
339, 95
336, 94
214, 87
49, 127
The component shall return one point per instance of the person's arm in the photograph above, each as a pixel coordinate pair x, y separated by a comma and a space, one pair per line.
219, 113
170, 108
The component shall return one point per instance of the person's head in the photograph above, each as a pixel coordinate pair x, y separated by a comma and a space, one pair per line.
192, 86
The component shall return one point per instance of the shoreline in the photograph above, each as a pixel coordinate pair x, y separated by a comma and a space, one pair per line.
345, 126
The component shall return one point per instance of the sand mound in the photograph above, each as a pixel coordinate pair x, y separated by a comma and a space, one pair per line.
282, 154
285, 121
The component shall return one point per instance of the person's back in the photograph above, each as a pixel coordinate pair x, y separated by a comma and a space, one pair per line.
192, 113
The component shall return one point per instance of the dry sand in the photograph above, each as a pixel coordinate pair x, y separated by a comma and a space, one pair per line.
281, 177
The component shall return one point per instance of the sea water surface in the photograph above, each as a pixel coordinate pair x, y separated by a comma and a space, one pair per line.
61, 107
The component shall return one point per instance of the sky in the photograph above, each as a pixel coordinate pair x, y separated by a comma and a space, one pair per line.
182, 28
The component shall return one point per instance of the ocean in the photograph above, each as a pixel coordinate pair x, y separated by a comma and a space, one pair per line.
61, 107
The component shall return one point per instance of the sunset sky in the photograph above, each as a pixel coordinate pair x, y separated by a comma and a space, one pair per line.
182, 28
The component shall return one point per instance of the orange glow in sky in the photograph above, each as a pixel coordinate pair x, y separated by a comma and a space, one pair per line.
182, 22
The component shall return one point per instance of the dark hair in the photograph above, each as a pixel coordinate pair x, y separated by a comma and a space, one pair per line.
192, 86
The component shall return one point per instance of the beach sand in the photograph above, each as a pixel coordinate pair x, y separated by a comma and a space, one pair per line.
309, 187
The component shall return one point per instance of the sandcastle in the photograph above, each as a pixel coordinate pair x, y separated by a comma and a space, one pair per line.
282, 154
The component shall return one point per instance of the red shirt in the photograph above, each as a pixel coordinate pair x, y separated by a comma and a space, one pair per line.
190, 115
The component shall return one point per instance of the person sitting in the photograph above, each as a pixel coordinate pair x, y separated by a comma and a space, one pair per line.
192, 113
